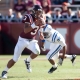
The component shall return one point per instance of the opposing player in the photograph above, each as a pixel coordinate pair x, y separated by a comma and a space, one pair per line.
32, 23
53, 44
71, 57
54, 37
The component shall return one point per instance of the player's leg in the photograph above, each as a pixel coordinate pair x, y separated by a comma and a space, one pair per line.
17, 53
71, 57
52, 55
34, 47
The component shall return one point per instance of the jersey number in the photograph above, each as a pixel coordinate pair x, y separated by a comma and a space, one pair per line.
35, 31
25, 17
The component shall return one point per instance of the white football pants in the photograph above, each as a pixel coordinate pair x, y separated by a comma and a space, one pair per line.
25, 43
54, 51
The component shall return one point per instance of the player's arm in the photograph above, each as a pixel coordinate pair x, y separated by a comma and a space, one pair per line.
28, 25
42, 38
41, 34
42, 45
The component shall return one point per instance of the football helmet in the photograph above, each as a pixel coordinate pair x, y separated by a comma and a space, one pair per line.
47, 31
37, 10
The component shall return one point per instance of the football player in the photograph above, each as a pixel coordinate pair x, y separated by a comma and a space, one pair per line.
56, 38
71, 57
53, 44
32, 23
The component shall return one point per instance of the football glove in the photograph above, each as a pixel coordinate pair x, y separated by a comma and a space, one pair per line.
60, 61
43, 49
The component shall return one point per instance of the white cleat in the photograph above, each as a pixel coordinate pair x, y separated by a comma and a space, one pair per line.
4, 75
28, 66
73, 59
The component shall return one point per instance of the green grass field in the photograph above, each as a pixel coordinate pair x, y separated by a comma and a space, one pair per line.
40, 67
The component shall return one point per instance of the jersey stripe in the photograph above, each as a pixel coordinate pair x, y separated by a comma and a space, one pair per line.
53, 36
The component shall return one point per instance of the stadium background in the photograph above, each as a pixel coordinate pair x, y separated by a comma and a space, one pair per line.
9, 32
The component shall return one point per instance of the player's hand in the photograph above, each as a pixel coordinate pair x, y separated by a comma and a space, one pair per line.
40, 22
37, 22
43, 48
60, 61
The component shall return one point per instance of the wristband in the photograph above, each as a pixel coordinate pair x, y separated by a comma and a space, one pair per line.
43, 40
33, 25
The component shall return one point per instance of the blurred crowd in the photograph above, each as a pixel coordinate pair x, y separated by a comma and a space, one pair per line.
18, 8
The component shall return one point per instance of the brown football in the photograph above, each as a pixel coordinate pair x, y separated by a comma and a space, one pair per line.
40, 22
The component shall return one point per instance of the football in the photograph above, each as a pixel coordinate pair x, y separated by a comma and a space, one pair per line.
40, 22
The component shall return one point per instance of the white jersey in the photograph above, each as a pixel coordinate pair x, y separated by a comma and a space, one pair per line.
54, 35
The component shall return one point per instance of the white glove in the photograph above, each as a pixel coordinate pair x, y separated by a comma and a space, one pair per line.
43, 49
60, 62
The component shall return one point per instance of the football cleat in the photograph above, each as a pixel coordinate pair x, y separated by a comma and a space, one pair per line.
4, 74
28, 66
73, 58
52, 69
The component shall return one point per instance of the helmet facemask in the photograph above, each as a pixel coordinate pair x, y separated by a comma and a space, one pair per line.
38, 13
37, 10
47, 32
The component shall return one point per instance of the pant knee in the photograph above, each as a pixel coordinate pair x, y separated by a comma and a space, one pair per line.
48, 57
15, 59
37, 51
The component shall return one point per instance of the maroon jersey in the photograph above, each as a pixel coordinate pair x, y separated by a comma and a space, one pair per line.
19, 7
64, 12
30, 35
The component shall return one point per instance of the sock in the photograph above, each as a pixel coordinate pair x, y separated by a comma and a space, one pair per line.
6, 69
29, 59
55, 65
69, 56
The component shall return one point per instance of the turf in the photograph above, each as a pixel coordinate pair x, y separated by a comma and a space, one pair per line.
40, 67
